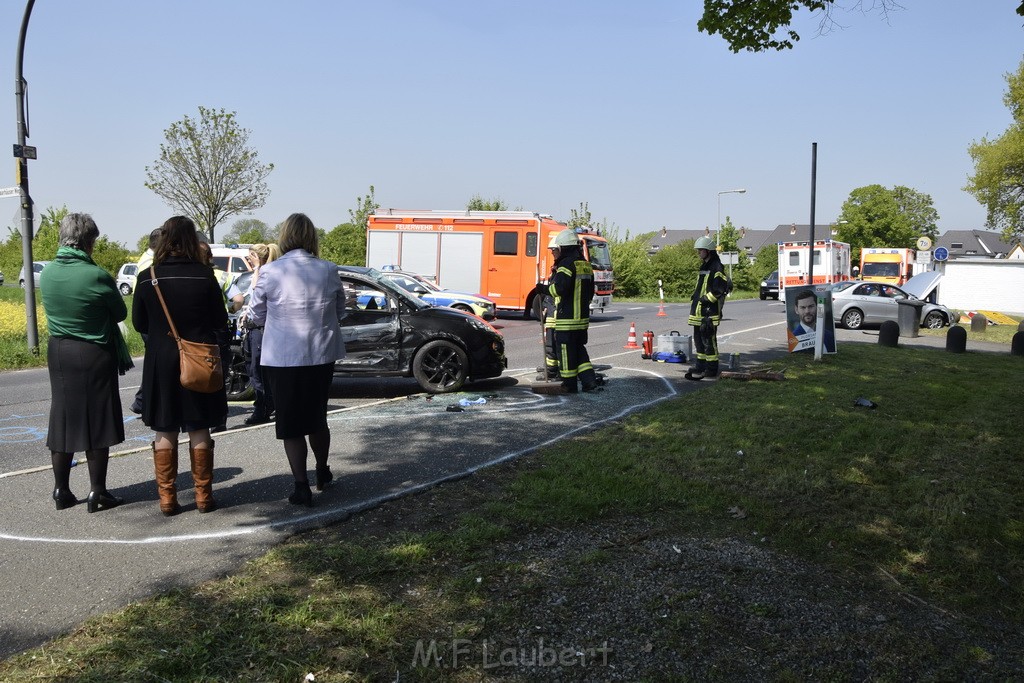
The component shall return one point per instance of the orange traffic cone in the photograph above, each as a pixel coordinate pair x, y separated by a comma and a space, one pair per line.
631, 340
661, 309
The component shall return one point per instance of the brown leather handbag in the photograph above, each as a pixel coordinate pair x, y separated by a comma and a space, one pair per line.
201, 370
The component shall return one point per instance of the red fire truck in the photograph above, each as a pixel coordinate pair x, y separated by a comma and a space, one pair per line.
500, 254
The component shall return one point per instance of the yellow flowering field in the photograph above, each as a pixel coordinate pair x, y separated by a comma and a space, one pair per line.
12, 320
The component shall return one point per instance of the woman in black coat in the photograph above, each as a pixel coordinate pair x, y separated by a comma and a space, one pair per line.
197, 307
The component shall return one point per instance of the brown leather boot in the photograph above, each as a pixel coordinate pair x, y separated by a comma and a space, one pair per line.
202, 475
165, 460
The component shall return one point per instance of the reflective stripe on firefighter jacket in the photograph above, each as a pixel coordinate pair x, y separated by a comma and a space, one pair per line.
573, 290
547, 310
709, 295
224, 281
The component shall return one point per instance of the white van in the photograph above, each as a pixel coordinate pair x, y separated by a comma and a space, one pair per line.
231, 259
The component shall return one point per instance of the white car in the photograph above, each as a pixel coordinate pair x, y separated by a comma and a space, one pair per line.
476, 304
37, 268
126, 278
856, 303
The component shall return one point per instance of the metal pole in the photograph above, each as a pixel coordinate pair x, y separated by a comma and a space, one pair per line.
718, 225
31, 326
718, 229
814, 172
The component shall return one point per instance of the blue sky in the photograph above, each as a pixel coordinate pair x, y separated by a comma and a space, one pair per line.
542, 103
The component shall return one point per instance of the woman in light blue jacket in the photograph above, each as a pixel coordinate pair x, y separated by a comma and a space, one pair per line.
300, 301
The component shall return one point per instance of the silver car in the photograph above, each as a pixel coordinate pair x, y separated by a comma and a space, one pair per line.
37, 268
855, 304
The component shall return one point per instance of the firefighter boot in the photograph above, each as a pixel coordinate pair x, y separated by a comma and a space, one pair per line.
202, 474
590, 383
696, 373
165, 460
712, 370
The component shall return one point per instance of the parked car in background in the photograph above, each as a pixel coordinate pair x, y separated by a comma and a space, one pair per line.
232, 259
37, 267
432, 294
126, 277
856, 303
770, 286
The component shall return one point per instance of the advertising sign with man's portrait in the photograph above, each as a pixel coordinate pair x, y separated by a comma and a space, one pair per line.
802, 313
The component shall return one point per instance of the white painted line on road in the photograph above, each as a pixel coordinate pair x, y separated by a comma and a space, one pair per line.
343, 513
184, 440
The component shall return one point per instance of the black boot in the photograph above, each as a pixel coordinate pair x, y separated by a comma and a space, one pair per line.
257, 418
589, 381
62, 496
712, 370
302, 494
697, 372
324, 477
99, 497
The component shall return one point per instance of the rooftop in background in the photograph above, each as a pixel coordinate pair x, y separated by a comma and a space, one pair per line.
973, 244
960, 243
751, 241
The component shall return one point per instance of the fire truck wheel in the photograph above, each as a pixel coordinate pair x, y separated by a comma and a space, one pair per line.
440, 367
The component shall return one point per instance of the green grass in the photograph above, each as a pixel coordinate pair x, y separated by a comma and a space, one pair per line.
1000, 334
923, 491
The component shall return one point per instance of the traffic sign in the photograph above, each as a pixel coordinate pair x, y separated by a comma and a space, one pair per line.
10, 191
924, 243
941, 253
24, 152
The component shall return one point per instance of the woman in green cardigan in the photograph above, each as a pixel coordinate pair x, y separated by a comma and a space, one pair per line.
85, 354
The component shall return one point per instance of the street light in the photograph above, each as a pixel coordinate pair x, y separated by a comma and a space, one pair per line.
23, 154
718, 231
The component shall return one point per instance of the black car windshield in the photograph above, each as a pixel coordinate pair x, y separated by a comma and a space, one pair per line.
387, 286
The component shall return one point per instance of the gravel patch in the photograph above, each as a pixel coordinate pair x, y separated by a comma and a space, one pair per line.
638, 603
638, 600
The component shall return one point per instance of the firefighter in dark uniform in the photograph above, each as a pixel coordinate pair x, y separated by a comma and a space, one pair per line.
706, 309
572, 286
547, 323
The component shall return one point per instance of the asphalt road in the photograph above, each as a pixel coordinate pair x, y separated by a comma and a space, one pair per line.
388, 440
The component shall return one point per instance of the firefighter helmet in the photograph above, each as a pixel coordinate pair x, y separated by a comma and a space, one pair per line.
567, 238
553, 242
704, 243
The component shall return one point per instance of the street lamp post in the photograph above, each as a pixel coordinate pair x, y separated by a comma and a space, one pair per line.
718, 230
31, 327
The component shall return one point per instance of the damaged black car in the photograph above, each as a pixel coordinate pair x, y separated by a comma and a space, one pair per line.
391, 333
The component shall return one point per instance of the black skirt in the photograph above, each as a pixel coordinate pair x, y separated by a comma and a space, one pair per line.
300, 396
85, 407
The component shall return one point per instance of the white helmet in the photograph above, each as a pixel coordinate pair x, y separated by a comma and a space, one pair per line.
567, 238
553, 242
704, 243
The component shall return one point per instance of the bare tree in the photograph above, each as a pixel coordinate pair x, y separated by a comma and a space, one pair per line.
207, 171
